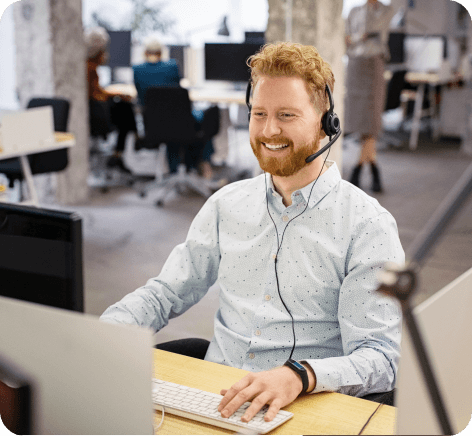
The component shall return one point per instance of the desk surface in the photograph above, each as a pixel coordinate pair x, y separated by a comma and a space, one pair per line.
208, 94
324, 413
62, 140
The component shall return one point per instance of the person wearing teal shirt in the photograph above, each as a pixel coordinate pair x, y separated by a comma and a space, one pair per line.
154, 72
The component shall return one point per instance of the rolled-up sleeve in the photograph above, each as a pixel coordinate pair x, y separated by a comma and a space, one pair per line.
190, 270
370, 323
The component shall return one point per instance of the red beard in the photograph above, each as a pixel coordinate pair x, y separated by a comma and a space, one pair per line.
290, 163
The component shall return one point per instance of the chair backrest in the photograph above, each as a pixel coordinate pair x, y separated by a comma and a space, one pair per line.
57, 160
211, 122
168, 116
60, 108
394, 89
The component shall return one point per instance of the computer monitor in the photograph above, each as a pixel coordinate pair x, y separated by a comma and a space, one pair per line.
228, 61
425, 54
119, 49
87, 376
177, 52
254, 37
446, 327
41, 256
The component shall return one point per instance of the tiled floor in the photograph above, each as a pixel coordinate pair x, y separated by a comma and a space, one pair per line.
127, 239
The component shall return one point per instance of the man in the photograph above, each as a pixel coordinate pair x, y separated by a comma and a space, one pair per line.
295, 252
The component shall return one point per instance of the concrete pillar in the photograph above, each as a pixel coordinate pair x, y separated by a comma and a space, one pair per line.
50, 62
318, 23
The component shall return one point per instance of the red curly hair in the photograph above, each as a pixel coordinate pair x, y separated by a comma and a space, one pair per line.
290, 59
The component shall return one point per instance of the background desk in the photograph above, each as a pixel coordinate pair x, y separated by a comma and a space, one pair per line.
208, 94
62, 140
324, 413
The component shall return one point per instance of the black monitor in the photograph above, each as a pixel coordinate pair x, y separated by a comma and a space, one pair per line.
177, 52
119, 48
254, 37
228, 61
41, 256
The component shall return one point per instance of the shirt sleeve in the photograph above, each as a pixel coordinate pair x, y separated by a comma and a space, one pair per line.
370, 323
190, 270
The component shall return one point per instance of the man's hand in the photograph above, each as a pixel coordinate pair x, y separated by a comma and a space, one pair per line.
277, 387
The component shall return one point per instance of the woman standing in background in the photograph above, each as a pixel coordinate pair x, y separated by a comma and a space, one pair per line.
367, 29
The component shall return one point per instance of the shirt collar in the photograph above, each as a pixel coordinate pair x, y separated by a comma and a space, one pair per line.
324, 184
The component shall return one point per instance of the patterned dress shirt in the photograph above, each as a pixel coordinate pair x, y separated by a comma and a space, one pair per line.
331, 250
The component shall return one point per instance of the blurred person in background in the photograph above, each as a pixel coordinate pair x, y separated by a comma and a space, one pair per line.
367, 29
156, 72
107, 109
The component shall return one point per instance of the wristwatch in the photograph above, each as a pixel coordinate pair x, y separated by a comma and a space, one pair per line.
300, 370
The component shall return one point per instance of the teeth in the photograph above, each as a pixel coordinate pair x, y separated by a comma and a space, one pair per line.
275, 146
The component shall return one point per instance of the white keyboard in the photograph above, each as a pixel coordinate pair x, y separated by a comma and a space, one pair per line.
203, 406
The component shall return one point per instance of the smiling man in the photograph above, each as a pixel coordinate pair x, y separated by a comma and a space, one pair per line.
295, 252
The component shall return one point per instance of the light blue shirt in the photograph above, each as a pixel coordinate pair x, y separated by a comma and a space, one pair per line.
327, 266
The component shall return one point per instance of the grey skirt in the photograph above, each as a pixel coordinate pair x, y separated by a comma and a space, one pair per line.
365, 95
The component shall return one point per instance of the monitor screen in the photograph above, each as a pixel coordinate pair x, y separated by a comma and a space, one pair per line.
228, 61
424, 54
41, 256
177, 52
119, 49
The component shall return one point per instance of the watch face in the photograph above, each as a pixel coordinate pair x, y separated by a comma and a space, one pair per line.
298, 365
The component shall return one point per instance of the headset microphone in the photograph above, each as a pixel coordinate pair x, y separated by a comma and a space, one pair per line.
330, 122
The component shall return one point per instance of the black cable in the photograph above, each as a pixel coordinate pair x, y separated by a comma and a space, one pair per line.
279, 245
370, 417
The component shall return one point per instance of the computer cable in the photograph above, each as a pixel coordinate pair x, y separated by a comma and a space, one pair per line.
370, 417
279, 245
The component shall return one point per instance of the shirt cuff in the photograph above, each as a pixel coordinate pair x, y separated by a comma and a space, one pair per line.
327, 379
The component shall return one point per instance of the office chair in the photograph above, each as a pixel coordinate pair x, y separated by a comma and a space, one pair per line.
167, 118
100, 127
47, 162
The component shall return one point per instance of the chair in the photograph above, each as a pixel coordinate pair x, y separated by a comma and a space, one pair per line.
100, 126
47, 162
167, 118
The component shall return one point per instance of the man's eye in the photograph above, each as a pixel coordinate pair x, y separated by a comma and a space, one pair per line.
286, 116
259, 114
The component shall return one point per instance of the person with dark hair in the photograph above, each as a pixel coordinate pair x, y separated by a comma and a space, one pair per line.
107, 110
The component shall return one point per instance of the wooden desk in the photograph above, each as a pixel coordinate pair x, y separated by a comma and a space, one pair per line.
324, 413
62, 140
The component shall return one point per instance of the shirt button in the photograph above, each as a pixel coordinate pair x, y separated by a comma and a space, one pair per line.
267, 297
258, 332
251, 355
274, 256
285, 218
274, 194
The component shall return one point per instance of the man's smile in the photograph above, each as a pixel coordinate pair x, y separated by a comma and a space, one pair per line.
274, 146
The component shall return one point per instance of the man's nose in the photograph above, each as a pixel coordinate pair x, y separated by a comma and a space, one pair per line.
272, 127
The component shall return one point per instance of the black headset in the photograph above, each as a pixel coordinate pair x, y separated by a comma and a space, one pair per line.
330, 122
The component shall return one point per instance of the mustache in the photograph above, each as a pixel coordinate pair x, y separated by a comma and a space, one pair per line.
276, 140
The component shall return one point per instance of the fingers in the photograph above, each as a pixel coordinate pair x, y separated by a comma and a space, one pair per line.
274, 408
257, 404
236, 396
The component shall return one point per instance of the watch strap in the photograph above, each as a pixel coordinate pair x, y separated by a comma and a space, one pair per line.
301, 371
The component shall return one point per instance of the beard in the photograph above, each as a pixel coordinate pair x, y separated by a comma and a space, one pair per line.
289, 164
